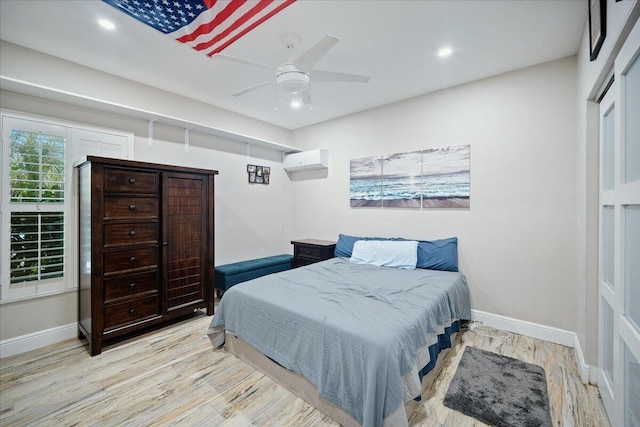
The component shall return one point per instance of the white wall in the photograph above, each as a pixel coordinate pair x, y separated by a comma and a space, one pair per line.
517, 242
251, 220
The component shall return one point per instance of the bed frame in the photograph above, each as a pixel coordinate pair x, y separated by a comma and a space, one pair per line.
303, 388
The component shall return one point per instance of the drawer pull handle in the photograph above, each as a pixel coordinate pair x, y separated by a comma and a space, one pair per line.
132, 311
132, 207
132, 259
132, 285
132, 233
132, 180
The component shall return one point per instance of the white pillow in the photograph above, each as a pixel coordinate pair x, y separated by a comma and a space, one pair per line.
386, 253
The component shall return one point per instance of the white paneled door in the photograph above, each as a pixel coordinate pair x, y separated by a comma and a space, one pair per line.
619, 251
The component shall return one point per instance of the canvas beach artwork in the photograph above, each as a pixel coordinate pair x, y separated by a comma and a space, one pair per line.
431, 178
446, 177
365, 183
402, 180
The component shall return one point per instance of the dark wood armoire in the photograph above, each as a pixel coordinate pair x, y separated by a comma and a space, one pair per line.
146, 245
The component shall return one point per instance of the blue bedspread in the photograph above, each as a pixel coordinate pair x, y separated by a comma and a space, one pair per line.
359, 333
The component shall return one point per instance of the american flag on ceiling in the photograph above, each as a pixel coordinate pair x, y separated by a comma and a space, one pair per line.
205, 25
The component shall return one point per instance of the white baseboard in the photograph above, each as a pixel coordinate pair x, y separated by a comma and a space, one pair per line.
23, 343
17, 345
535, 330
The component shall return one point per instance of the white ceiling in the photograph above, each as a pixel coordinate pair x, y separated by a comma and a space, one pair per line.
394, 42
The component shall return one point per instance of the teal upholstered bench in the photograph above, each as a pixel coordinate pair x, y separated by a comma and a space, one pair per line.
230, 274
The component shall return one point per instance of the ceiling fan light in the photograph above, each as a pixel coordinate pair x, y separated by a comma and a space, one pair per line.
293, 81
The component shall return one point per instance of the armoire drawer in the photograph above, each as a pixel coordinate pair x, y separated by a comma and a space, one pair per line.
131, 233
129, 181
116, 207
130, 312
130, 285
131, 259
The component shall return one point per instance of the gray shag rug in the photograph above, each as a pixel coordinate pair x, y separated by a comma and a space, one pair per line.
499, 390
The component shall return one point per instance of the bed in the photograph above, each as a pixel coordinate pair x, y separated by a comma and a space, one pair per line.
362, 336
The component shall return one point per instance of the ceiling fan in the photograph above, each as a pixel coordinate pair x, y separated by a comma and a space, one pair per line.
296, 74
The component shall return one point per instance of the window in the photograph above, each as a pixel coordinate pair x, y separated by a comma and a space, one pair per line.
37, 179
38, 225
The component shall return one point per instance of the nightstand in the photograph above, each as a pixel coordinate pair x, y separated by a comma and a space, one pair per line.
309, 251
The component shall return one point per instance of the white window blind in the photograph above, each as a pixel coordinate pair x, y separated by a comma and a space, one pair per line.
37, 246
37, 167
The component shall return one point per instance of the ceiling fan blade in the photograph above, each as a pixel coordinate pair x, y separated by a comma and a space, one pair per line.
244, 61
252, 88
332, 76
307, 60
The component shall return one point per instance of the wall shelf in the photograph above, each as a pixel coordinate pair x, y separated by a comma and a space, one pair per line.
27, 88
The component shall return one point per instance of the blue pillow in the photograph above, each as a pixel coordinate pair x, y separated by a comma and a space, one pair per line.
432, 254
438, 254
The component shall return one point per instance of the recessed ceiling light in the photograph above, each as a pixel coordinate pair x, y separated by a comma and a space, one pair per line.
105, 23
296, 104
444, 52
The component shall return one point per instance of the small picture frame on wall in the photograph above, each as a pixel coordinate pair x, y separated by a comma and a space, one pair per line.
258, 174
597, 26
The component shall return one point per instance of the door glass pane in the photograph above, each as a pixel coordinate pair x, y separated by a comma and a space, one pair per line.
632, 124
607, 340
608, 144
632, 262
631, 389
607, 243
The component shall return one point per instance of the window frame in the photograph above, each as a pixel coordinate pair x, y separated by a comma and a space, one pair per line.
77, 145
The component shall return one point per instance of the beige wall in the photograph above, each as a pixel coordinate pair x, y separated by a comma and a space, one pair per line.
517, 242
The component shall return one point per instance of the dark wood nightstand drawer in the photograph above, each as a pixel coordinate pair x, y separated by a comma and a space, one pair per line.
127, 181
137, 208
130, 312
309, 251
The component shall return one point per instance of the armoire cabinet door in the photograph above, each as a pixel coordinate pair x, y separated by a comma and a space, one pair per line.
184, 206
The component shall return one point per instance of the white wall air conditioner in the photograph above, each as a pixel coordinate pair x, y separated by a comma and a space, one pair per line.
307, 160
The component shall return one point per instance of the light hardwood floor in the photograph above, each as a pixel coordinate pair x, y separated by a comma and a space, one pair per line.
173, 376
